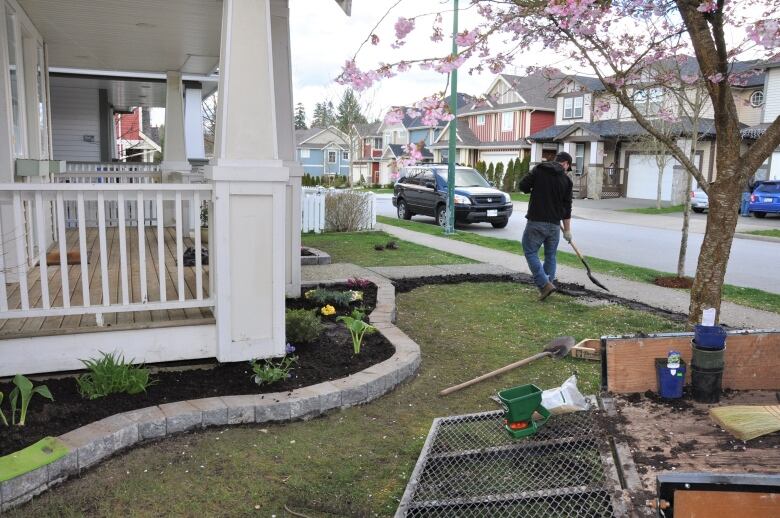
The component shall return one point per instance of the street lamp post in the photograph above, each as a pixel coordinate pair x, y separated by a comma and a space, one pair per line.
449, 228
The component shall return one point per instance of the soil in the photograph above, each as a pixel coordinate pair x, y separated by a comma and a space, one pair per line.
674, 282
331, 357
305, 252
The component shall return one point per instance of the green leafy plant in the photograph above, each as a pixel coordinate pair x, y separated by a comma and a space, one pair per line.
357, 328
111, 374
268, 371
2, 415
324, 296
302, 325
25, 390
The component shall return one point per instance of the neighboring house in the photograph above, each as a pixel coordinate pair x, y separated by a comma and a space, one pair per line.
610, 159
367, 161
769, 98
136, 140
494, 129
323, 152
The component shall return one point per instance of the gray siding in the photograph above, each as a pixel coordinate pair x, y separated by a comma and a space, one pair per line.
772, 95
75, 112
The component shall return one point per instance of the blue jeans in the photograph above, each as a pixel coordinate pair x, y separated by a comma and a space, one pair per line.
536, 234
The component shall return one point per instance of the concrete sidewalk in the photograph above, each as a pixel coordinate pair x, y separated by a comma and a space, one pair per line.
673, 300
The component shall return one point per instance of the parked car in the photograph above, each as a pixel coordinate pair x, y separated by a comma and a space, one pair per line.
423, 190
765, 199
699, 201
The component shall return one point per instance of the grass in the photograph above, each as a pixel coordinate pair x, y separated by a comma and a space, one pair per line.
379, 190
520, 196
354, 462
652, 210
770, 232
750, 297
358, 248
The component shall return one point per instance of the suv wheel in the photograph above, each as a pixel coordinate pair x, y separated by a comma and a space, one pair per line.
500, 224
698, 210
403, 210
759, 214
441, 215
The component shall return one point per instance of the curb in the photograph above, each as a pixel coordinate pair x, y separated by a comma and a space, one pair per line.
317, 257
755, 237
95, 442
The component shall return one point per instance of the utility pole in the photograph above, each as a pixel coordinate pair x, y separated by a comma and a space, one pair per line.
449, 228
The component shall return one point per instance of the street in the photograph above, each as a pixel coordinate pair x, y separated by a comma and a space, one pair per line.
751, 264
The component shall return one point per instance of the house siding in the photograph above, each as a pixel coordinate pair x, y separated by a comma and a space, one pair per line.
541, 120
772, 95
75, 113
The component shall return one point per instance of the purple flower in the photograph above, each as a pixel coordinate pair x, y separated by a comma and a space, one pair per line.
403, 27
289, 349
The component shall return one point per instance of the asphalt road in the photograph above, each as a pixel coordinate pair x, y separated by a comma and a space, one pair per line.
752, 263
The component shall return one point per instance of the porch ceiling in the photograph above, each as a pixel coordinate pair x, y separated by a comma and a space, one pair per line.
122, 94
132, 35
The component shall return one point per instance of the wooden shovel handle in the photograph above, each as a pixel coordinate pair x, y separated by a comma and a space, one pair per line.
494, 373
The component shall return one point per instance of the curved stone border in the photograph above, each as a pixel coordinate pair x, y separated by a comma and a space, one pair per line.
318, 257
97, 441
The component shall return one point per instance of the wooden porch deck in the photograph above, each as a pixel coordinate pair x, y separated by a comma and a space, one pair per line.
38, 326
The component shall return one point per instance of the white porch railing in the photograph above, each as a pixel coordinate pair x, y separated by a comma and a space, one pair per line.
313, 209
41, 215
112, 167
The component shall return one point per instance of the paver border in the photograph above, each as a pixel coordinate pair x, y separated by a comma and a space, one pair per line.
96, 442
318, 257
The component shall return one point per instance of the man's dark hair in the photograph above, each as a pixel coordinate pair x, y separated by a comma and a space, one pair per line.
563, 156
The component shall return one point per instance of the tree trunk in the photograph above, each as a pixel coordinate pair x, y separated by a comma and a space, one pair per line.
686, 223
660, 183
724, 197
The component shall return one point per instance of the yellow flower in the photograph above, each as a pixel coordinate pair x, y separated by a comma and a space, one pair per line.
328, 310
356, 295
308, 294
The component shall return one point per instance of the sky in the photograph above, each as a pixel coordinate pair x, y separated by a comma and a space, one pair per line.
323, 38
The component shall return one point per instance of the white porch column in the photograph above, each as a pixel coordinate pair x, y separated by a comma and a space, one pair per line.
282, 63
193, 123
595, 179
174, 149
536, 154
250, 182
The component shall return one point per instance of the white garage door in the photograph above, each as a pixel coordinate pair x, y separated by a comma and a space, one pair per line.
495, 157
643, 178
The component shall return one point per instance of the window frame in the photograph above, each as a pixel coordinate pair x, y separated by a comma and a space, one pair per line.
507, 116
345, 155
305, 152
575, 108
19, 136
327, 156
570, 108
481, 119
760, 103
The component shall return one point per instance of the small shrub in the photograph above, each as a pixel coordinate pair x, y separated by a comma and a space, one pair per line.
391, 245
379, 247
347, 211
358, 283
25, 390
111, 374
2, 415
268, 371
357, 328
322, 296
302, 326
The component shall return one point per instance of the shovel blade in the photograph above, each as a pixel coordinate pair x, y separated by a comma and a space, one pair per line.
560, 347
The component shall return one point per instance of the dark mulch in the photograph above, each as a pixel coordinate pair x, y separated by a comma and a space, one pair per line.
331, 357
674, 282
306, 252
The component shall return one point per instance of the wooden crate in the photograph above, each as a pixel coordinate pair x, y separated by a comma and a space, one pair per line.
588, 349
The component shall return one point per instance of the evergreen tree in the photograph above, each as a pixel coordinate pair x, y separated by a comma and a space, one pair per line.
349, 112
481, 167
490, 174
499, 174
300, 116
324, 115
509, 177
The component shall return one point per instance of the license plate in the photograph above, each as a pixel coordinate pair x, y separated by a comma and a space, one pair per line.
492, 213
767, 200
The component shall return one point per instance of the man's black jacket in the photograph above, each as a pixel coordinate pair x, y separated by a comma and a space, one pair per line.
550, 189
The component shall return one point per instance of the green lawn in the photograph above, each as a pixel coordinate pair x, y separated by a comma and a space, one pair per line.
652, 210
379, 190
750, 297
770, 232
358, 248
520, 196
355, 462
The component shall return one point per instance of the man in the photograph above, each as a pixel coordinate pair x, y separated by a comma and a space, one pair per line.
550, 189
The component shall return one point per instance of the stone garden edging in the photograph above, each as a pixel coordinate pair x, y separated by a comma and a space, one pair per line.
318, 257
97, 441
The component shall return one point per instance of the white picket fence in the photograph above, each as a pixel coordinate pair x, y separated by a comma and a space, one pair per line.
313, 209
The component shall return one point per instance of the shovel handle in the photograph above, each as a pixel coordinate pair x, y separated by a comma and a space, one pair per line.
494, 373
576, 250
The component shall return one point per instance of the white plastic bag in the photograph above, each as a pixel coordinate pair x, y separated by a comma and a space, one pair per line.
564, 399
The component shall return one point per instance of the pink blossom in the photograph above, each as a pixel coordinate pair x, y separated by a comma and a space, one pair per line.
403, 27
353, 76
438, 34
496, 66
467, 38
765, 33
448, 64
689, 79
667, 115
374, 39
394, 116
707, 6
403, 66
715, 78
601, 107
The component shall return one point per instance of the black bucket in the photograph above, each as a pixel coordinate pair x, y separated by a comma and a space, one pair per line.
706, 384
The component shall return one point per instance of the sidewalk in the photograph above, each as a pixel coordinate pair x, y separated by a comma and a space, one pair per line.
665, 298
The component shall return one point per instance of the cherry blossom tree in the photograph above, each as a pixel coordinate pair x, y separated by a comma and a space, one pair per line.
619, 41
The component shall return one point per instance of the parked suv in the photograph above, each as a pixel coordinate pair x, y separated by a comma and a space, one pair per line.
765, 199
423, 190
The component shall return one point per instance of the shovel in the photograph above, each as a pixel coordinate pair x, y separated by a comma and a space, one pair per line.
558, 348
590, 274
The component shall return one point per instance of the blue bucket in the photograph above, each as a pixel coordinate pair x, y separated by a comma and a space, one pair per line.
710, 337
670, 386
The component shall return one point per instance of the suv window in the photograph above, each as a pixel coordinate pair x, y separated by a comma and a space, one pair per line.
769, 187
427, 177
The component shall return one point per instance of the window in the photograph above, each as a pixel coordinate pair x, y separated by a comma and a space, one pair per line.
16, 77
387, 139
579, 159
331, 157
757, 99
648, 101
572, 108
305, 153
345, 155
377, 143
578, 101
480, 120
427, 178
507, 118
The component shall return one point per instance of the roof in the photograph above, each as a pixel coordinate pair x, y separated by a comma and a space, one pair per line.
369, 129
533, 88
619, 129
302, 135
398, 151
755, 132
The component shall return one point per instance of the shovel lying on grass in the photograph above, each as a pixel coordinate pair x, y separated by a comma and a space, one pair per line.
558, 348
587, 267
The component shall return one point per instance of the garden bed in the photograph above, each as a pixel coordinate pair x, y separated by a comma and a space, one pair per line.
330, 357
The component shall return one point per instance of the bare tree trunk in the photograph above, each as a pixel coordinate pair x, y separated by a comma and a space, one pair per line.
686, 223
724, 198
660, 183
